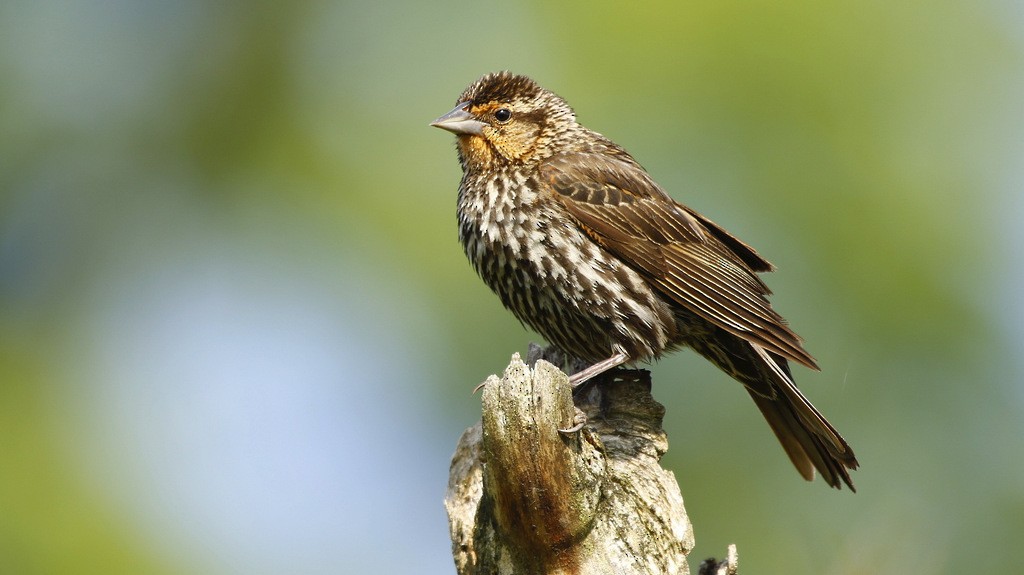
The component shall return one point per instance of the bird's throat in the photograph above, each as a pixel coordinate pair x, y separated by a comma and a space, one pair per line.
476, 152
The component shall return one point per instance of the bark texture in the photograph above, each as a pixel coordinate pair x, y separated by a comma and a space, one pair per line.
526, 498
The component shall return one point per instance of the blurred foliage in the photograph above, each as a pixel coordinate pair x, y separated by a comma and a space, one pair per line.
163, 162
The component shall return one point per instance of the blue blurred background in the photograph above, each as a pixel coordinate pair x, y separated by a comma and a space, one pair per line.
237, 333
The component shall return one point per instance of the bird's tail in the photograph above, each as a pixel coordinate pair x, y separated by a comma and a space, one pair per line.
808, 438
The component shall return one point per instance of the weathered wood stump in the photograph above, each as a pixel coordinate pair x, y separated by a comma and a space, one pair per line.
526, 498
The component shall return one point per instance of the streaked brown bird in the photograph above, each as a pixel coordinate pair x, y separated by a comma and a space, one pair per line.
584, 247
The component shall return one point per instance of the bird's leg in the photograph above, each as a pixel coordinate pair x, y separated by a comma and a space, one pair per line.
580, 380
598, 368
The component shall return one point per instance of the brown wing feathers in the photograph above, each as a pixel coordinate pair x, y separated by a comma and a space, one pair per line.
689, 258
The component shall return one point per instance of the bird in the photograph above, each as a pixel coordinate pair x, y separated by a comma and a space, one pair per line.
583, 246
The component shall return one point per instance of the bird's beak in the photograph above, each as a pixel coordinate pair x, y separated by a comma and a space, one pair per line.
460, 121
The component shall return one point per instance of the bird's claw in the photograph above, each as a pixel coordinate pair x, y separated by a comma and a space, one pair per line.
579, 420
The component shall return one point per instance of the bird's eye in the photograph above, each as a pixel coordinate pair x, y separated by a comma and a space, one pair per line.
502, 115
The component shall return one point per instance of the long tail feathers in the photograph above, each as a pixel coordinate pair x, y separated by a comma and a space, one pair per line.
808, 438
807, 449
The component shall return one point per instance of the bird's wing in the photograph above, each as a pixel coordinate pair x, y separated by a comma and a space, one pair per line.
684, 255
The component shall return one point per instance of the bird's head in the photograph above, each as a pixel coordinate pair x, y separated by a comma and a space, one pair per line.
503, 118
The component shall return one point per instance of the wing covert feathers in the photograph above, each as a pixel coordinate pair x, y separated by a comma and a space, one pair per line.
684, 255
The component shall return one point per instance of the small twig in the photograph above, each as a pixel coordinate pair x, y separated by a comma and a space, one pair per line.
713, 566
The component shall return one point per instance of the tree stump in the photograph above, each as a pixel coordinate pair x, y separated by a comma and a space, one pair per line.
527, 497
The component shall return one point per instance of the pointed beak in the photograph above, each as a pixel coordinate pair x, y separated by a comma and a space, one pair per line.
460, 121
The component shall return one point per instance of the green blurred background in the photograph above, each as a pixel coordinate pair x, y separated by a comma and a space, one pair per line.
237, 333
